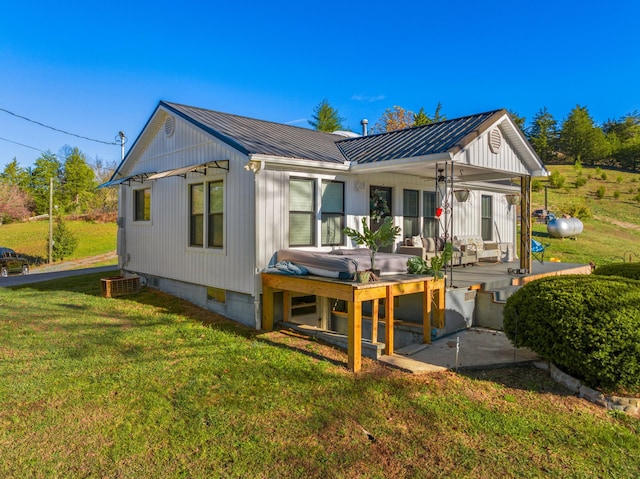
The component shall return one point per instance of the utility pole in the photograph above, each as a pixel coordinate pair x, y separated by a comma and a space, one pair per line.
50, 219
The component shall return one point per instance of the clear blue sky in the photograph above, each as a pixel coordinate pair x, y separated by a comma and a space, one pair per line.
94, 68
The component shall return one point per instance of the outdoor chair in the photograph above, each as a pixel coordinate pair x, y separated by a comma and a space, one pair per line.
538, 249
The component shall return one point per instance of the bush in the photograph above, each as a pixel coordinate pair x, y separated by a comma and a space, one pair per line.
600, 192
576, 208
536, 185
64, 241
587, 325
626, 270
616, 195
556, 180
580, 181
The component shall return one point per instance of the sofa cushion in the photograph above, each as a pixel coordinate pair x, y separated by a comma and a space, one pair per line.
429, 244
416, 241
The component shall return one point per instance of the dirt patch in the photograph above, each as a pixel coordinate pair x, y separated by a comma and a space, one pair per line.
621, 224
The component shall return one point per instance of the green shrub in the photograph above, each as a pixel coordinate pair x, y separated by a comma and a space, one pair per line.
616, 195
619, 179
626, 270
64, 241
603, 176
556, 180
600, 192
536, 185
576, 208
580, 181
587, 325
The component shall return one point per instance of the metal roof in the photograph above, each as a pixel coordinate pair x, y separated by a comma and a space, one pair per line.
251, 136
415, 141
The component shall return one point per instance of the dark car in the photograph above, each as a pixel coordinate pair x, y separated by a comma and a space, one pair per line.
12, 262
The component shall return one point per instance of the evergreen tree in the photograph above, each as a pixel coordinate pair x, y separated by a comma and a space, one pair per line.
581, 139
64, 241
517, 119
46, 166
543, 135
422, 118
13, 174
326, 118
79, 181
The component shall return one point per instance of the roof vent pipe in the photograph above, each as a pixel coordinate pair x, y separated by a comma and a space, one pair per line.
364, 124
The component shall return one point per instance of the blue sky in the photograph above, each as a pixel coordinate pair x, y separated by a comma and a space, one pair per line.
94, 69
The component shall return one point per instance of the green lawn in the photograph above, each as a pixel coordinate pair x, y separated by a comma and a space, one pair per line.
614, 227
151, 386
30, 238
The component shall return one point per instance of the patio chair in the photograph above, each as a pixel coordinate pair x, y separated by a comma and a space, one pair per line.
538, 249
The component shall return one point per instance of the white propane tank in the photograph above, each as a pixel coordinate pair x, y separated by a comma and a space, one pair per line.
564, 227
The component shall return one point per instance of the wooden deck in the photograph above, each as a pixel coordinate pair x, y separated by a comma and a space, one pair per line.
354, 294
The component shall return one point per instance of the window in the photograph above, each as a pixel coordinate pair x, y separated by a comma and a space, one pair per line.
487, 217
332, 217
215, 237
429, 205
206, 203
410, 205
302, 193
142, 204
196, 204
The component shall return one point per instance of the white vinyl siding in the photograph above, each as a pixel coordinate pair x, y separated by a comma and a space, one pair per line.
332, 214
302, 193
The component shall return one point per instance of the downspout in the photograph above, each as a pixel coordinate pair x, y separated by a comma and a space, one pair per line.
122, 236
254, 166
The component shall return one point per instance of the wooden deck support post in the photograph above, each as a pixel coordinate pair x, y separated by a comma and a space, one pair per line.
388, 317
354, 336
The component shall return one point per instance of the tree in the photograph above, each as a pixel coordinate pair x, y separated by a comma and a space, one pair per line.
46, 167
543, 135
79, 186
326, 118
581, 139
396, 118
517, 119
624, 136
15, 204
422, 118
64, 241
14, 174
105, 199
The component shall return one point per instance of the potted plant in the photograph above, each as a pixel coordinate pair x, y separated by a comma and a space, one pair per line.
383, 236
434, 266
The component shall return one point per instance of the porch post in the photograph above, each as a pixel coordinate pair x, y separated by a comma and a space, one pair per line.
525, 223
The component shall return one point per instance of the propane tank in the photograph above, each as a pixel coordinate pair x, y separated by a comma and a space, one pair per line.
564, 227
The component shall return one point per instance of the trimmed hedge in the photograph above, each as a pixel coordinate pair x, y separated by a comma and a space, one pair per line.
626, 270
587, 325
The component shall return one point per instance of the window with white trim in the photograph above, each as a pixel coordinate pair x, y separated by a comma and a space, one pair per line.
206, 218
332, 213
487, 217
410, 209
302, 212
430, 221
142, 204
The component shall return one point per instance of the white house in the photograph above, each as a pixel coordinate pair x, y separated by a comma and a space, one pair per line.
207, 198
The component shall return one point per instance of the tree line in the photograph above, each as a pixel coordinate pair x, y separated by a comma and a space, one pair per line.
25, 192
576, 139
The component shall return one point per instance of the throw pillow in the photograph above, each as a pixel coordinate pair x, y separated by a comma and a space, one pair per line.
416, 241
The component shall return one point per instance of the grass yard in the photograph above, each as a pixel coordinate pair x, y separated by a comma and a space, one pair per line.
30, 238
614, 228
150, 386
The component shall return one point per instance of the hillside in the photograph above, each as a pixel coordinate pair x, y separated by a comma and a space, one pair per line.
611, 197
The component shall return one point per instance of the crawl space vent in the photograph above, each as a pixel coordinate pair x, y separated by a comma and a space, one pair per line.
169, 127
495, 140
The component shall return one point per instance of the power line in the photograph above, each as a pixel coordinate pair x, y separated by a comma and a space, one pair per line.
56, 129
